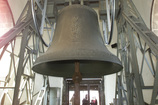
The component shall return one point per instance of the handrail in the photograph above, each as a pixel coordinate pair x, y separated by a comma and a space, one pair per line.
151, 41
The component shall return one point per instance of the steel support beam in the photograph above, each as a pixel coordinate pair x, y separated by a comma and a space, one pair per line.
20, 69
155, 88
135, 67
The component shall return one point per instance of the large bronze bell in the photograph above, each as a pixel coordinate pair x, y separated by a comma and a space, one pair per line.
77, 37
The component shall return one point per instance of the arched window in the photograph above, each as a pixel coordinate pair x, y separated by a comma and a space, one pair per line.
154, 17
6, 20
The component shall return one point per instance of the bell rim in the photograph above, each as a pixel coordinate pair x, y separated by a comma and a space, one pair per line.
74, 60
118, 67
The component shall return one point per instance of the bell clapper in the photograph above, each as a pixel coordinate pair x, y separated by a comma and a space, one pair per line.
77, 79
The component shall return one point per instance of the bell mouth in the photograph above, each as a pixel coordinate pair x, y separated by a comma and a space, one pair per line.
88, 68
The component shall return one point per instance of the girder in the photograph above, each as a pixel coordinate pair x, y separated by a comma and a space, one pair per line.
135, 40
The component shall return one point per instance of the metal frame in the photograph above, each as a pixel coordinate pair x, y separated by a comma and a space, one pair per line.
135, 37
19, 82
44, 20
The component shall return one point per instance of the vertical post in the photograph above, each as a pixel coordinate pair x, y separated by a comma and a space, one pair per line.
20, 68
77, 94
102, 91
77, 78
46, 85
120, 102
64, 92
154, 92
135, 67
45, 101
126, 69
88, 94
43, 17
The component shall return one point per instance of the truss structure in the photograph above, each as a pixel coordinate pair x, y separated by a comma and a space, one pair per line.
138, 50
33, 33
18, 85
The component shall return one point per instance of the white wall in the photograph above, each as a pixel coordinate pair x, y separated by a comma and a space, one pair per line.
110, 83
144, 8
17, 7
54, 82
57, 82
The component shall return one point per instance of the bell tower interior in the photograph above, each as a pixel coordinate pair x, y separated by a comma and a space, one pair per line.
78, 52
